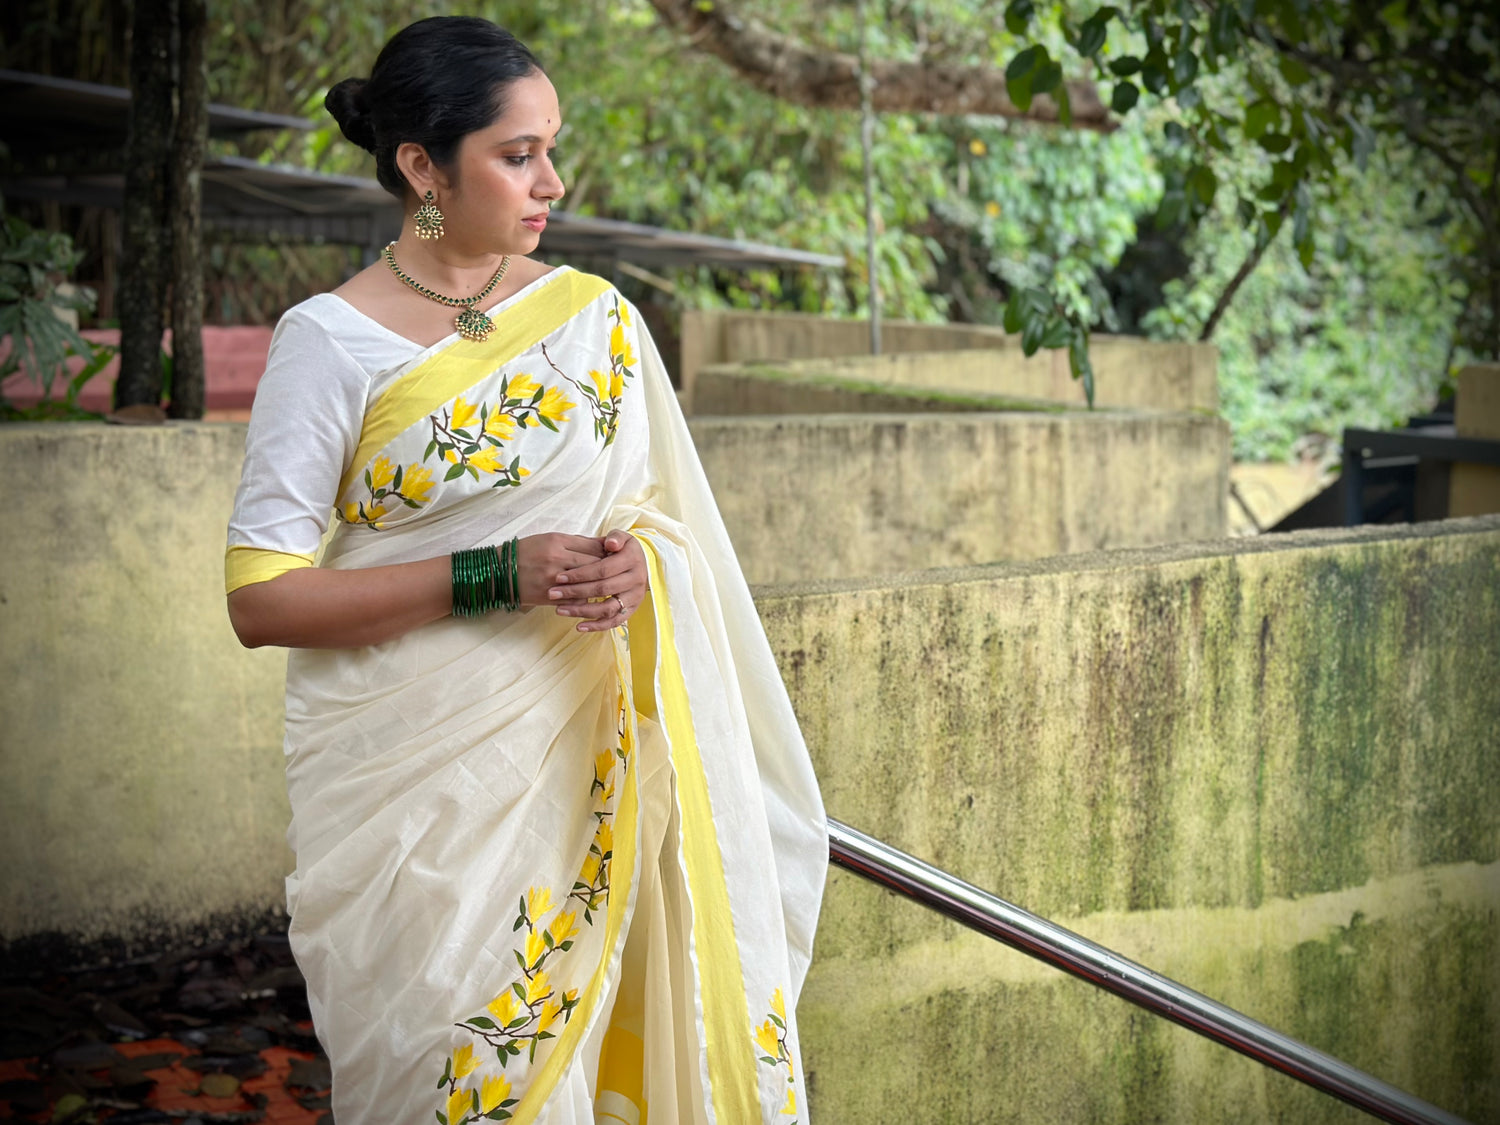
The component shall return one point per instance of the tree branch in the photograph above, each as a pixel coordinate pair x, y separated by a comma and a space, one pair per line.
1247, 267
793, 71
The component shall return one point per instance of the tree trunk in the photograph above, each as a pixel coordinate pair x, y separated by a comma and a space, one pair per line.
144, 212
189, 141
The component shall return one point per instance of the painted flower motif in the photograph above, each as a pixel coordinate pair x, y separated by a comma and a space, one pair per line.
464, 413
538, 988
778, 1005
464, 1062
504, 1008
488, 459
790, 1109
590, 870
624, 311
500, 426
416, 482
493, 1091
550, 1011
564, 926
536, 949
538, 902
521, 386
555, 405
606, 837
351, 512
460, 1101
382, 472
767, 1039
601, 383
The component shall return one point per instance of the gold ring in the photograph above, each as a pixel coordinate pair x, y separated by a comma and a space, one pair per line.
618, 602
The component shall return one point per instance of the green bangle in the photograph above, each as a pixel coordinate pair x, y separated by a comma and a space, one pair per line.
486, 579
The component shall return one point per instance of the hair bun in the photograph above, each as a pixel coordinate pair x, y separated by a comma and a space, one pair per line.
346, 101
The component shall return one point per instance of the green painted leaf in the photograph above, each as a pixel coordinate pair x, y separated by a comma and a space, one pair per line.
481, 1021
453, 471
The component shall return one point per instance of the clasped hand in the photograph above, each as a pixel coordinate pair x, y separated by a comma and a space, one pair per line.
601, 580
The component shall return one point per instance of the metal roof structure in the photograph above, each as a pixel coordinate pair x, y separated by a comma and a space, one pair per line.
41, 115
48, 123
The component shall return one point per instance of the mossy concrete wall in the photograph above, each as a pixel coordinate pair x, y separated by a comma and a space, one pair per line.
847, 495
1268, 768
141, 777
1131, 372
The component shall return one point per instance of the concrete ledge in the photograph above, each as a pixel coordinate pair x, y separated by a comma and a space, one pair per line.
1131, 372
843, 495
1269, 768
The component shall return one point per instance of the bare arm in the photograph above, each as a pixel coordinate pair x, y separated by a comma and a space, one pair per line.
317, 608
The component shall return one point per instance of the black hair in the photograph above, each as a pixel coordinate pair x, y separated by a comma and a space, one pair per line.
435, 82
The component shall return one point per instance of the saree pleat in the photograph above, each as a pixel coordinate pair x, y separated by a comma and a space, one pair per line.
548, 876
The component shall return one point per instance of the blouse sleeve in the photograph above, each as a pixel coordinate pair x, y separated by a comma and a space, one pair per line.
304, 427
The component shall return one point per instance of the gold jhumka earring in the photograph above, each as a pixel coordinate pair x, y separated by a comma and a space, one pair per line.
429, 219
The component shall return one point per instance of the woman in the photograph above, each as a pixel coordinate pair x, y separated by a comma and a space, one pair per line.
559, 861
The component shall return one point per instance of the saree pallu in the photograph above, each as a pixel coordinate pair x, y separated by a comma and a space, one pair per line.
544, 875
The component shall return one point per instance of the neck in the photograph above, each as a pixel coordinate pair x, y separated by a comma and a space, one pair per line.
445, 265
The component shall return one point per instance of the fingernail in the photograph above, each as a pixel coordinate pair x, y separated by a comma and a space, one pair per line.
554, 594
562, 579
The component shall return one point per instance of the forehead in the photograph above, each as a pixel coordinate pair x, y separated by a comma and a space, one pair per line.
530, 108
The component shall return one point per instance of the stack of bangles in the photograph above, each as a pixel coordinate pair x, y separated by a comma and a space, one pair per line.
486, 579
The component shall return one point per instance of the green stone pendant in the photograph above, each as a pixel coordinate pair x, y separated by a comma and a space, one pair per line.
473, 324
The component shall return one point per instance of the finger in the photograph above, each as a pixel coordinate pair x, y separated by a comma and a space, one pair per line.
611, 621
611, 566
618, 541
591, 611
626, 585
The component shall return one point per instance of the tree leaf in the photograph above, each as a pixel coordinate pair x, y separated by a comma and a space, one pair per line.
1125, 66
1018, 16
1125, 95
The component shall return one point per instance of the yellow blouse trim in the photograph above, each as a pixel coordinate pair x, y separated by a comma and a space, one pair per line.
245, 566
438, 379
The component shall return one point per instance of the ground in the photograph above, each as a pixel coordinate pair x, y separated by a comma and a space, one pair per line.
213, 1035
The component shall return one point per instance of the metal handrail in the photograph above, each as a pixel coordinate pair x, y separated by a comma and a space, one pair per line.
1062, 949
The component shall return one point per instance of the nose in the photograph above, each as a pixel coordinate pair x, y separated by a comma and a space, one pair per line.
550, 187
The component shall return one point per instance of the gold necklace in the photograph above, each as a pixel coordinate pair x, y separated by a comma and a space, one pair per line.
471, 323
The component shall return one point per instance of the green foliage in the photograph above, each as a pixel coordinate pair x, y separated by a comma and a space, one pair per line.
33, 266
1364, 336
1238, 118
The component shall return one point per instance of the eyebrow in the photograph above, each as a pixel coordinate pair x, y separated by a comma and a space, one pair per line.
529, 138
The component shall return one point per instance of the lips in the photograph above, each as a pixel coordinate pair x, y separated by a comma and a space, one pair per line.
537, 223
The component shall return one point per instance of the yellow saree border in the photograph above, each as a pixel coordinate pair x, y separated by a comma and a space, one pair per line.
245, 566
443, 375
731, 1061
624, 862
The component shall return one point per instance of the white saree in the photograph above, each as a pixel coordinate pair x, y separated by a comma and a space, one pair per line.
542, 875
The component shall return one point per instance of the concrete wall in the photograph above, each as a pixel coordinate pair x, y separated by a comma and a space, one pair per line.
862, 494
1130, 372
1268, 768
141, 780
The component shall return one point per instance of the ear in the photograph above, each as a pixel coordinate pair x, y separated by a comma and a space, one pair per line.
421, 174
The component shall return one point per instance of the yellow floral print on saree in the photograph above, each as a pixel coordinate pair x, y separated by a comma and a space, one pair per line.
545, 876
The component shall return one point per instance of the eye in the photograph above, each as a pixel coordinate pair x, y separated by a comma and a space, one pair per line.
519, 161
